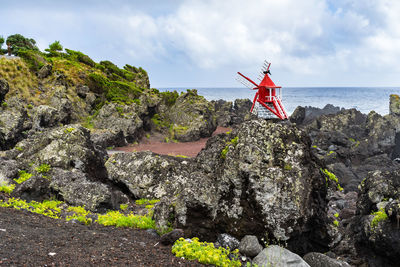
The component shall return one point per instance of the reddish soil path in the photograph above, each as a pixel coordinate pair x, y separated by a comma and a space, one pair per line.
154, 144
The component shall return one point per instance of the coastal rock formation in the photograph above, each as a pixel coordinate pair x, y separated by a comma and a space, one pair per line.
120, 118
192, 117
63, 162
305, 115
228, 114
13, 122
4, 88
244, 179
378, 217
394, 105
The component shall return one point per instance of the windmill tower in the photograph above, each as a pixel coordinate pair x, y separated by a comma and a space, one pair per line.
267, 102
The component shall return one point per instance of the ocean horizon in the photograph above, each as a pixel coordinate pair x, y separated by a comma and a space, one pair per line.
364, 99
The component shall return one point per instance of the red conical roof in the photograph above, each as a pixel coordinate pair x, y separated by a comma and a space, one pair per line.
267, 82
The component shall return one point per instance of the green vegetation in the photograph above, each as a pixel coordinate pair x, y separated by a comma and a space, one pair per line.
123, 206
19, 148
205, 253
169, 98
145, 201
69, 130
379, 216
287, 167
336, 223
80, 214
23, 176
332, 177
43, 168
47, 208
7, 188
18, 43
336, 215
234, 142
120, 220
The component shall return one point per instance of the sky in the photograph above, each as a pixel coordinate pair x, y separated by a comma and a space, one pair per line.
195, 44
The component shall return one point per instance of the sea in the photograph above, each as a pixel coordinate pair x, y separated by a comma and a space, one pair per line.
364, 99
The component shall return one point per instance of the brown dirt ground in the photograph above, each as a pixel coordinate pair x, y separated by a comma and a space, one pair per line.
26, 239
156, 145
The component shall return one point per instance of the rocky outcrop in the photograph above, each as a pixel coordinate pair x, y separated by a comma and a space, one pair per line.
64, 164
148, 175
4, 88
315, 259
228, 114
394, 105
13, 122
238, 184
44, 117
305, 115
120, 118
192, 117
107, 138
378, 217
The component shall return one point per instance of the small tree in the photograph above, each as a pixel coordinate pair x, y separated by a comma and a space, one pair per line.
1, 44
54, 48
18, 42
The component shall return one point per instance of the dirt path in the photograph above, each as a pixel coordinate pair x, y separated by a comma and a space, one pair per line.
154, 144
28, 239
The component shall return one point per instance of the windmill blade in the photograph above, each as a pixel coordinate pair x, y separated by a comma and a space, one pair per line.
244, 82
248, 81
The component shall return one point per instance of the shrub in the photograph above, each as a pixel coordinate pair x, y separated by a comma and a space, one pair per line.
33, 59
80, 214
18, 42
205, 253
80, 57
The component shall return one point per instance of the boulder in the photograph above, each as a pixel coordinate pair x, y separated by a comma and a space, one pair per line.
260, 180
118, 118
278, 257
223, 112
171, 237
227, 241
44, 116
107, 138
305, 115
82, 91
249, 246
148, 175
241, 111
378, 217
315, 259
394, 105
192, 117
66, 157
64, 105
8, 170
13, 122
45, 71
4, 88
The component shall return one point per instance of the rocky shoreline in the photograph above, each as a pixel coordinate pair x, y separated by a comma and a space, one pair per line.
324, 185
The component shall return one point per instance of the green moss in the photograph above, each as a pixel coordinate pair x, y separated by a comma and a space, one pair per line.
69, 130
234, 141
80, 214
332, 177
23, 176
120, 110
145, 201
43, 168
224, 152
4, 104
336, 223
47, 208
7, 188
19, 148
205, 253
287, 167
336, 215
379, 216
123, 206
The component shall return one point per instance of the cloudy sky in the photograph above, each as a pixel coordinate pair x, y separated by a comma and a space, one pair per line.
193, 44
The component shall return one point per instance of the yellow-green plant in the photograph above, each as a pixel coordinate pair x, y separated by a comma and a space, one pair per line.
205, 253
47, 208
118, 219
43, 168
23, 176
145, 201
7, 188
379, 215
123, 206
80, 214
332, 177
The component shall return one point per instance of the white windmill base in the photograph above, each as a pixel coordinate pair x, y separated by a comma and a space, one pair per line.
263, 112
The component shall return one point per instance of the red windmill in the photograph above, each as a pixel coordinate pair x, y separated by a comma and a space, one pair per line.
267, 101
